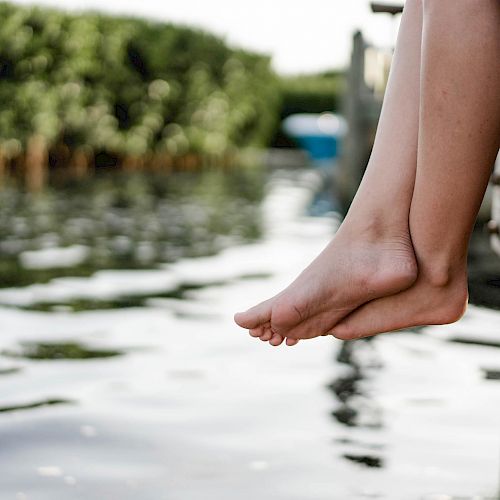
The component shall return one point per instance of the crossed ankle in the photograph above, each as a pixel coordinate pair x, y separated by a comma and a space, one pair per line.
450, 304
447, 286
443, 273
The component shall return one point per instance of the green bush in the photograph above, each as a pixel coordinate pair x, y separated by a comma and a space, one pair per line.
128, 86
311, 93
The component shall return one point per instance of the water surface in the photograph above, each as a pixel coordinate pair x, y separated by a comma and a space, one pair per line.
125, 378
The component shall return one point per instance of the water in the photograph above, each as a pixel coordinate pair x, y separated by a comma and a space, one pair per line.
122, 221
133, 382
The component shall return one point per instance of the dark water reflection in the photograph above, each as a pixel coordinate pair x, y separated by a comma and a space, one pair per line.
34, 405
121, 301
368, 460
9, 371
355, 407
56, 351
475, 341
125, 221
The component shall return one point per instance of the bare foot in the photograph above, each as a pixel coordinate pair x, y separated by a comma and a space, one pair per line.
362, 263
427, 302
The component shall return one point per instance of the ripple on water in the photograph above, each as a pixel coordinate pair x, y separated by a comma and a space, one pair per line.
366, 460
491, 374
57, 351
475, 341
10, 371
35, 404
180, 292
451, 497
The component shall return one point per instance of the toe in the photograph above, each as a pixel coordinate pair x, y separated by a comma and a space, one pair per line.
344, 331
276, 340
256, 332
267, 335
255, 316
291, 342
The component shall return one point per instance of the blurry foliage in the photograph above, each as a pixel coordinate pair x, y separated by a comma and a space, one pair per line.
312, 93
128, 86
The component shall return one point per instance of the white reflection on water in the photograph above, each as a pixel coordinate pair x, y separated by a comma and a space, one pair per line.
195, 409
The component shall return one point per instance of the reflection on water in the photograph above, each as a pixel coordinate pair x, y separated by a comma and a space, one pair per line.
356, 407
54, 351
180, 291
120, 302
368, 460
491, 374
124, 221
9, 371
32, 406
123, 376
476, 341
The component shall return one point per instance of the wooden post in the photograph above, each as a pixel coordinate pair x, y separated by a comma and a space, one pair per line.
133, 163
36, 163
354, 154
361, 109
165, 162
80, 163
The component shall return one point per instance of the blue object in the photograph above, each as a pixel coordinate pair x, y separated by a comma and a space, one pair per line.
319, 134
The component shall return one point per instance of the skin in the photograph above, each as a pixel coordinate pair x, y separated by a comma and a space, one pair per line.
402, 264
373, 235
458, 141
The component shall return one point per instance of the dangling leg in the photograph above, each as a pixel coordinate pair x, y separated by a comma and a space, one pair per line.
459, 138
371, 255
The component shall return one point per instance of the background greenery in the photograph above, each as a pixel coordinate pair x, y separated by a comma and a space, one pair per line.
311, 93
128, 87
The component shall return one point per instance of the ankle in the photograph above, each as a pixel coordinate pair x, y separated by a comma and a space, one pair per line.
442, 272
376, 226
446, 282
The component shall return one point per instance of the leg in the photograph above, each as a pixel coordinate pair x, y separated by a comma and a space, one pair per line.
371, 255
458, 141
